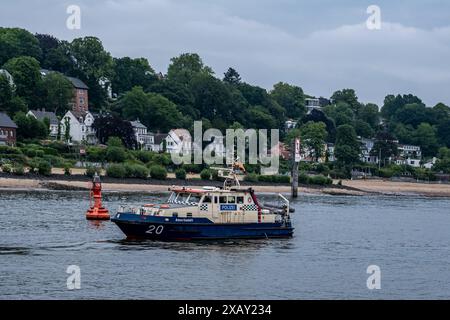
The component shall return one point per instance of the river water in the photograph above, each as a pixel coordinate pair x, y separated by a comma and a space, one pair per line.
336, 239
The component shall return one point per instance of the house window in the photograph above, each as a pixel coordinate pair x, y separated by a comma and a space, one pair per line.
81, 100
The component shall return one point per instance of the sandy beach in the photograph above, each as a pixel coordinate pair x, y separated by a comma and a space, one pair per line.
349, 187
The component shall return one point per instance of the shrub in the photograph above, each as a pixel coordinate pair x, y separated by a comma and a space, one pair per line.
320, 180
386, 173
281, 179
6, 168
115, 154
116, 171
144, 156
18, 170
9, 150
303, 178
90, 171
136, 171
33, 165
205, 174
67, 169
95, 154
180, 174
44, 168
195, 168
251, 177
30, 153
158, 172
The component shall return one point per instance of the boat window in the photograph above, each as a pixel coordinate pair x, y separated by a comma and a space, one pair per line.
182, 197
195, 198
231, 199
207, 199
215, 199
189, 215
172, 197
223, 199
175, 214
239, 200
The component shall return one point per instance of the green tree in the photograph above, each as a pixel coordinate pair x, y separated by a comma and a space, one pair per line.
347, 148
347, 96
58, 92
313, 136
232, 77
184, 67
162, 114
27, 77
291, 98
15, 42
425, 137
92, 63
444, 133
55, 54
369, 113
363, 129
129, 73
134, 103
30, 127
385, 145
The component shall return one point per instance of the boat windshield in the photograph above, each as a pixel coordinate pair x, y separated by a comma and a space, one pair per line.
184, 198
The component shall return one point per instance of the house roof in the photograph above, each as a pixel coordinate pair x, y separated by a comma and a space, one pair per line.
159, 137
137, 124
77, 83
42, 114
6, 122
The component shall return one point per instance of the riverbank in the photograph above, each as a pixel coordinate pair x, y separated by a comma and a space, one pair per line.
349, 187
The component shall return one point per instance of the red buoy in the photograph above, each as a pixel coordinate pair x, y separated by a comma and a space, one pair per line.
96, 210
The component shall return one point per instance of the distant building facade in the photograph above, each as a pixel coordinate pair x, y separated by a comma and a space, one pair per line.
366, 151
7, 130
80, 127
145, 139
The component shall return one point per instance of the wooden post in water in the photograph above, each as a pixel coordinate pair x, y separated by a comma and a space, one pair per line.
295, 160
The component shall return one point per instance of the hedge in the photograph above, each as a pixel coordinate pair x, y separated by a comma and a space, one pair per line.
158, 172
116, 171
205, 174
180, 174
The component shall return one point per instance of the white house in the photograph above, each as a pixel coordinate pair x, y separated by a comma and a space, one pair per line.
80, 127
51, 116
290, 124
145, 139
178, 140
366, 149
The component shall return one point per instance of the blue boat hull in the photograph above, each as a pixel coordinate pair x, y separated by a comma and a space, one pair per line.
174, 229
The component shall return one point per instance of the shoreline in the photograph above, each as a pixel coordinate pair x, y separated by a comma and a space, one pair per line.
348, 188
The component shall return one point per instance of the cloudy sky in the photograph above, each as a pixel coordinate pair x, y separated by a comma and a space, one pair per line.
321, 46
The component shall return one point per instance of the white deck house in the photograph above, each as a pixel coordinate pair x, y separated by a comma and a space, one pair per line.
80, 127
51, 116
409, 155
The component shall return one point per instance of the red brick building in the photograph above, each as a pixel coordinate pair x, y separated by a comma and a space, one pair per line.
7, 130
80, 101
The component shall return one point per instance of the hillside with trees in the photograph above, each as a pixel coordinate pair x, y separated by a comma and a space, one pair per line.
191, 90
